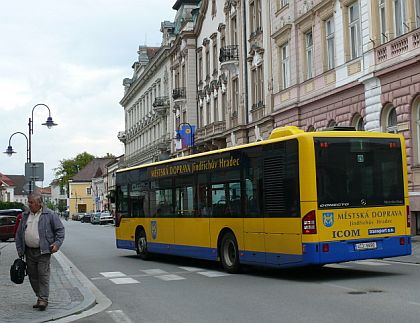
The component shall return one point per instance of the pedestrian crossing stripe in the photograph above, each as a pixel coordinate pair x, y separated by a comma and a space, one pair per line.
126, 280
170, 277
153, 272
112, 274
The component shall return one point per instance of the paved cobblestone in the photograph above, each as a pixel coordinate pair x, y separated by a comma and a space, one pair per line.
65, 296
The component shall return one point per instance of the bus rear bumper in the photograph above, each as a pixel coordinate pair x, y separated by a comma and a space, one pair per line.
341, 251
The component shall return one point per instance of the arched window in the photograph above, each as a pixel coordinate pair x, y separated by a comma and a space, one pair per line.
416, 128
389, 119
391, 123
358, 122
331, 123
311, 128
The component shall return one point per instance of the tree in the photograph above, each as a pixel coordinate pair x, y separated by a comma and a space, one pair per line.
70, 167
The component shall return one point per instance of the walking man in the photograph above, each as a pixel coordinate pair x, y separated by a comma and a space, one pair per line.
40, 234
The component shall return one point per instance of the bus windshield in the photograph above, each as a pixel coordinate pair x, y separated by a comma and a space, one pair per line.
358, 172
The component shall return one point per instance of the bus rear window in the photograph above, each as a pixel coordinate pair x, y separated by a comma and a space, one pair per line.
358, 172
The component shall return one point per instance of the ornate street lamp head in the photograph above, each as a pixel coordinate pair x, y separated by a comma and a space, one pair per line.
9, 151
49, 123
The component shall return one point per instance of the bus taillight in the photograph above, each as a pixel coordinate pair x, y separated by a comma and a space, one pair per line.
309, 223
408, 217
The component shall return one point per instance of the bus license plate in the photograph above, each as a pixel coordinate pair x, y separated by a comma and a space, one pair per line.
365, 245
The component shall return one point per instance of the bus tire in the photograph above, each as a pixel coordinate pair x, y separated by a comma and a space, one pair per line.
141, 245
229, 253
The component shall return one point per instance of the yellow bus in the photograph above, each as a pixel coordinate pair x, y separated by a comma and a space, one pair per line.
298, 198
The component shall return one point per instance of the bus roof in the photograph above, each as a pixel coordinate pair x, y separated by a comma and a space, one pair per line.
278, 134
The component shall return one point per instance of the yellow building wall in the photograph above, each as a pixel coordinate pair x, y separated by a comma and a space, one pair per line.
80, 200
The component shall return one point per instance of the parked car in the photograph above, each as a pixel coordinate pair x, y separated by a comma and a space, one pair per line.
78, 216
106, 217
86, 218
7, 225
11, 212
95, 218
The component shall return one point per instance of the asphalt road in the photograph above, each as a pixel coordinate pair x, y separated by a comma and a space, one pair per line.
172, 289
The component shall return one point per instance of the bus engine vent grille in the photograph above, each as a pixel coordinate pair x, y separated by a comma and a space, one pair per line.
274, 186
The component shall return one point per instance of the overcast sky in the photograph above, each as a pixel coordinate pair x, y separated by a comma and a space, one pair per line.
71, 55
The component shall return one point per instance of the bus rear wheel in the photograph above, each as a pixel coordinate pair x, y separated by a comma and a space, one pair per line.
141, 245
229, 253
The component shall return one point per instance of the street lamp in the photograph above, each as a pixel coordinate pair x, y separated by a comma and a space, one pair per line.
49, 123
9, 151
191, 133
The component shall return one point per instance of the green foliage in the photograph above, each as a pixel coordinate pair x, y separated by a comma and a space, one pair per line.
11, 205
70, 167
51, 205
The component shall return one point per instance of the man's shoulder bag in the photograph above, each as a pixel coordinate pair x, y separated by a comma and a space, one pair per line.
18, 271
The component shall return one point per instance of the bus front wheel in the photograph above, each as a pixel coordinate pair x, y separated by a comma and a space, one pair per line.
229, 253
141, 245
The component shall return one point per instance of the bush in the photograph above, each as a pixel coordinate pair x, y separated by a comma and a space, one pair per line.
11, 205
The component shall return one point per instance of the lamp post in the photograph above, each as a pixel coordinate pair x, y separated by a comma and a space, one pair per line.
178, 135
49, 123
9, 151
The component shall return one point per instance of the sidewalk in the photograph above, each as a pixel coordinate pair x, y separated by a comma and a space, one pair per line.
67, 295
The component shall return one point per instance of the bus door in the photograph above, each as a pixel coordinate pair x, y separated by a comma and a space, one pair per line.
161, 225
281, 203
192, 222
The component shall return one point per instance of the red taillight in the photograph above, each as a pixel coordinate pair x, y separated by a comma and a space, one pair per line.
323, 144
402, 241
408, 217
325, 247
309, 223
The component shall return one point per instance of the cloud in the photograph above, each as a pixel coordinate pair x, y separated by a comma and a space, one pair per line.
71, 55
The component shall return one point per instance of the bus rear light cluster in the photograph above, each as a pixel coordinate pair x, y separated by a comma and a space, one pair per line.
402, 241
325, 247
309, 223
408, 217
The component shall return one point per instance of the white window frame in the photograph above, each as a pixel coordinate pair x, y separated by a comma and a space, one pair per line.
285, 65
391, 117
329, 42
354, 30
417, 13
418, 131
309, 47
400, 17
382, 21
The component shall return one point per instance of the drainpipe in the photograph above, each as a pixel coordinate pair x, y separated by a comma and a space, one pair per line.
245, 65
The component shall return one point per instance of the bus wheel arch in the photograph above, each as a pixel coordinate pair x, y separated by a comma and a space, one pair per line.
228, 250
141, 243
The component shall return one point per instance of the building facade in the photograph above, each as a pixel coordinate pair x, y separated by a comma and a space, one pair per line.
240, 68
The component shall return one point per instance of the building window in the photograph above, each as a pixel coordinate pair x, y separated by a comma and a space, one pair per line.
400, 17
329, 35
358, 122
382, 21
417, 13
215, 61
88, 190
389, 119
309, 54
417, 129
284, 3
285, 66
354, 30
235, 96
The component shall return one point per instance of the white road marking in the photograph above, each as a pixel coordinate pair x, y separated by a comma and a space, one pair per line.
190, 269
111, 274
170, 277
119, 316
341, 287
212, 274
337, 266
128, 280
154, 271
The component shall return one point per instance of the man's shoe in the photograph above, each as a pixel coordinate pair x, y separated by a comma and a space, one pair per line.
37, 304
42, 305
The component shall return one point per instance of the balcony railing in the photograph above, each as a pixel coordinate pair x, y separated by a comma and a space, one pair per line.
214, 129
161, 104
398, 46
179, 93
229, 53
